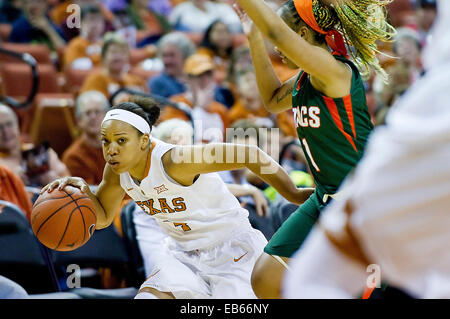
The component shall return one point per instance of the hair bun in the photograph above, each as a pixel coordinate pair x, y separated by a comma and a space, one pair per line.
149, 105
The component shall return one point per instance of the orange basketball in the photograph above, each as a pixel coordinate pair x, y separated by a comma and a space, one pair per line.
63, 220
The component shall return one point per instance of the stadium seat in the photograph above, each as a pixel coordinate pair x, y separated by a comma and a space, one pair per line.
17, 79
131, 245
53, 120
75, 79
40, 52
105, 249
22, 257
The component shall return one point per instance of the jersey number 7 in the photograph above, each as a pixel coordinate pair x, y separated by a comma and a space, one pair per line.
184, 226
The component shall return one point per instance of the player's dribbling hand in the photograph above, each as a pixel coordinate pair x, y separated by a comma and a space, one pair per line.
60, 183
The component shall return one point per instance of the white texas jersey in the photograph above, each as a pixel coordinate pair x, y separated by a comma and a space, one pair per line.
195, 216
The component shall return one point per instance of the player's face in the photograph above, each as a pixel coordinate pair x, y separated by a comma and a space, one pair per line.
122, 146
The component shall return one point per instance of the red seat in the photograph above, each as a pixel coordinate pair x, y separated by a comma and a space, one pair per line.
75, 79
39, 51
17, 79
54, 121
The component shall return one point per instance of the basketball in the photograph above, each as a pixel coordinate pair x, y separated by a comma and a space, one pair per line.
63, 220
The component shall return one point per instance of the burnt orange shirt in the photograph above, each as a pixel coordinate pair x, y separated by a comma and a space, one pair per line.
84, 160
100, 81
13, 190
80, 47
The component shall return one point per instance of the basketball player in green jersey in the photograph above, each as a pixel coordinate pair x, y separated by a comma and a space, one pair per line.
327, 98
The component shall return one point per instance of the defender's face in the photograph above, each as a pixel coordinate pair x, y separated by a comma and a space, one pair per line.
121, 145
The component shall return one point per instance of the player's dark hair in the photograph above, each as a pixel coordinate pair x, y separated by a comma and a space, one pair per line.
146, 107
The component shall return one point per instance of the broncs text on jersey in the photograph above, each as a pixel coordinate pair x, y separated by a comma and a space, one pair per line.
307, 116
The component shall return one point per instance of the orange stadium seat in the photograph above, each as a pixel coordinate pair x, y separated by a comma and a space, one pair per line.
75, 79
17, 79
39, 51
54, 121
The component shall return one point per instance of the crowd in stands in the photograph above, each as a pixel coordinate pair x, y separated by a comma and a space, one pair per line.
191, 52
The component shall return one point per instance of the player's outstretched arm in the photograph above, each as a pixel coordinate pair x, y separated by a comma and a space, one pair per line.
107, 198
275, 94
314, 60
185, 163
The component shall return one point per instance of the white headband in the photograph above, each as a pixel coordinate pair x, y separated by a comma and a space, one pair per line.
128, 117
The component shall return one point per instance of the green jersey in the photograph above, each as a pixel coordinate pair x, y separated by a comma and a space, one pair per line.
332, 132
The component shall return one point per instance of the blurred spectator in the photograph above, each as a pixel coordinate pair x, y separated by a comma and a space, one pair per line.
426, 12
61, 12
174, 131
210, 117
35, 27
163, 7
84, 158
250, 106
13, 190
174, 48
197, 15
403, 73
83, 51
143, 18
218, 44
10, 11
37, 165
115, 69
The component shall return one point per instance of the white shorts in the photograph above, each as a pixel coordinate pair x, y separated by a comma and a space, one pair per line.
220, 272
149, 236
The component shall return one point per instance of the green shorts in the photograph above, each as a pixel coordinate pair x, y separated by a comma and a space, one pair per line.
291, 234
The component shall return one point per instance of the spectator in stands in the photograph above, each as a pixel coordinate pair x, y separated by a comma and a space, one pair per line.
250, 106
35, 27
84, 158
10, 11
426, 12
210, 117
408, 48
163, 7
174, 48
218, 44
60, 13
197, 15
406, 70
143, 18
115, 69
13, 190
36, 165
174, 131
84, 51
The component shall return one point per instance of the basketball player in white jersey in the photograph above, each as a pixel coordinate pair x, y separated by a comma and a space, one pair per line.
395, 211
211, 247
